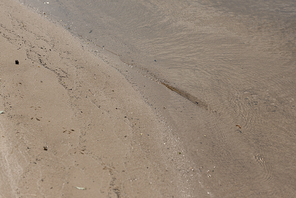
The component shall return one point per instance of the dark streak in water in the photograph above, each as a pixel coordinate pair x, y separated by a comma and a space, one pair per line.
182, 93
186, 95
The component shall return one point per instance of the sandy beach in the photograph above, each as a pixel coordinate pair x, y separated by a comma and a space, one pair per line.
147, 98
71, 125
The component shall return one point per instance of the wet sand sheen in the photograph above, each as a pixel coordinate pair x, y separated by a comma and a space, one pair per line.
236, 62
72, 125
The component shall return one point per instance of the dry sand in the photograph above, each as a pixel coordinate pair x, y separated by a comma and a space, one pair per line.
72, 125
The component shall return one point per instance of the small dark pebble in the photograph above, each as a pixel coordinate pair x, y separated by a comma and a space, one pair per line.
45, 148
90, 31
154, 60
17, 62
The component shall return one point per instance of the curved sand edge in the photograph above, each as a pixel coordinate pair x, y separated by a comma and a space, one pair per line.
72, 125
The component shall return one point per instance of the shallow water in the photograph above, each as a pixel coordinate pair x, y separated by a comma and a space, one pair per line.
232, 62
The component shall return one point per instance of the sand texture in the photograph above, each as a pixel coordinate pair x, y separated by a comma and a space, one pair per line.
147, 98
73, 126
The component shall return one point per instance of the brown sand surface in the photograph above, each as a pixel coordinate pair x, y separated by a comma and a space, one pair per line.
237, 62
72, 125
148, 137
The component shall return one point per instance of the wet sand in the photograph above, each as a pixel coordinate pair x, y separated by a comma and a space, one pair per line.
73, 126
203, 92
